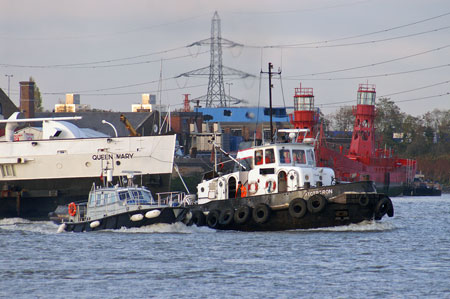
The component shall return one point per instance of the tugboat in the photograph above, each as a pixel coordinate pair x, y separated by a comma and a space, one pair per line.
115, 207
285, 191
277, 186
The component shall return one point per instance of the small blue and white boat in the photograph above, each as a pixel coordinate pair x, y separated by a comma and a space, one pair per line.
115, 207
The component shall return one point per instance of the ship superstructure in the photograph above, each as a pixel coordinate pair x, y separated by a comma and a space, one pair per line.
39, 174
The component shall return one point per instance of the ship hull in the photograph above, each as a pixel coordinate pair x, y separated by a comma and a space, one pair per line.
38, 175
123, 220
391, 176
35, 199
328, 206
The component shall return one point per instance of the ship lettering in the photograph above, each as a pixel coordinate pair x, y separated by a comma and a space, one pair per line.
323, 192
124, 156
102, 157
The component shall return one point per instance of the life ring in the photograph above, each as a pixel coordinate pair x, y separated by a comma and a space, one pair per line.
316, 203
72, 209
213, 219
271, 185
297, 208
242, 214
226, 217
252, 187
261, 213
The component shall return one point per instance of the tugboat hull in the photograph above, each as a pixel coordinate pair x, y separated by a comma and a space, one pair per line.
302, 209
167, 215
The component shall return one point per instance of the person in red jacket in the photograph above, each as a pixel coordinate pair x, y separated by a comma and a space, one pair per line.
241, 191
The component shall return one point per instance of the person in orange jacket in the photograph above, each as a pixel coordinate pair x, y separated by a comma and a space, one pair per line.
241, 191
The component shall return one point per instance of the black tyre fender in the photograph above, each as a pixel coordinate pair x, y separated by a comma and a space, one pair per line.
242, 214
297, 208
226, 216
384, 206
316, 203
261, 213
212, 220
198, 218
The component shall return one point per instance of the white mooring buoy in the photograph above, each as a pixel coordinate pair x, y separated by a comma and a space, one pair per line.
94, 224
152, 214
136, 217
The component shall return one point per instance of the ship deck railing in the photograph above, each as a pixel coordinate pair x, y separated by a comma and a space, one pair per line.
173, 199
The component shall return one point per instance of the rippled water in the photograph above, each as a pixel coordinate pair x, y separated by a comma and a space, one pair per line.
401, 257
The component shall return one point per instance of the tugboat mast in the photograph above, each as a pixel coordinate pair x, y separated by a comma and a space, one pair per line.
270, 98
270, 101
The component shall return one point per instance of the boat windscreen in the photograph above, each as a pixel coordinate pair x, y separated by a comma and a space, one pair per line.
123, 195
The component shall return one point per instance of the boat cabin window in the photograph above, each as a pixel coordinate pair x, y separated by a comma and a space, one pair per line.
269, 156
310, 157
99, 199
285, 156
147, 196
111, 197
258, 157
92, 200
124, 195
299, 156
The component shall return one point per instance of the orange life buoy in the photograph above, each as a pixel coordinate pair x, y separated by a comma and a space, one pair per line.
253, 187
72, 209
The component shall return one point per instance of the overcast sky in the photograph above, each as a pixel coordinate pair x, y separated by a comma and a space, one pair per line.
110, 51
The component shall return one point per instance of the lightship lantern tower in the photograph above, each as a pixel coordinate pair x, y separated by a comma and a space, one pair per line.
363, 139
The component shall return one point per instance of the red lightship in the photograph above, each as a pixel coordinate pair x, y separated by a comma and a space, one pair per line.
363, 161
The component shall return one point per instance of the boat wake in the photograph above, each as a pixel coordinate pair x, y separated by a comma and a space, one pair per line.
161, 228
24, 225
364, 226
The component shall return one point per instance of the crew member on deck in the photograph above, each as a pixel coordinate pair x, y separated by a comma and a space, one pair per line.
241, 191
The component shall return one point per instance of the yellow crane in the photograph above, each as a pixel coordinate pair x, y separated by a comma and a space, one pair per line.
128, 125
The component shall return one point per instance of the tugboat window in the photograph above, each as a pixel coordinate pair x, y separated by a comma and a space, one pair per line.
258, 157
285, 156
269, 156
299, 156
310, 157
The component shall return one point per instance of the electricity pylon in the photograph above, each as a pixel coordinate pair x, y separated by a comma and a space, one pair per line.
215, 71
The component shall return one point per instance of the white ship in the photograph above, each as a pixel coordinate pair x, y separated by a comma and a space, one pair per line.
39, 174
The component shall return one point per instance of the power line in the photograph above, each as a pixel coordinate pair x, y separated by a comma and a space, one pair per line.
415, 89
375, 64
93, 62
104, 35
334, 104
355, 36
372, 76
123, 93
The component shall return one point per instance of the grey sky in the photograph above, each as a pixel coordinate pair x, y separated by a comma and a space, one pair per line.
59, 43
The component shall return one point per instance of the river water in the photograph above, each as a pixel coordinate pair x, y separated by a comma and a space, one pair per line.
407, 256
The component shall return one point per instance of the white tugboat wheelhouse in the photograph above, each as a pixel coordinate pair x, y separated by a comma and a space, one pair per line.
270, 168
